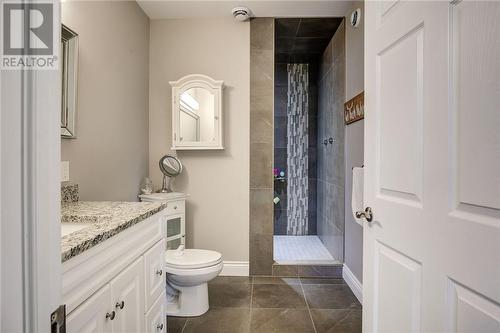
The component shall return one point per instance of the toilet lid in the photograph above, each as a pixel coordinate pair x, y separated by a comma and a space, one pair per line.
192, 258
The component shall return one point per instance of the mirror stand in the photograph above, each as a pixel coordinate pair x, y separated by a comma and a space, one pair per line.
167, 184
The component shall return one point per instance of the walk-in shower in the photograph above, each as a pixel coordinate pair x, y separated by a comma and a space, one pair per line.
309, 141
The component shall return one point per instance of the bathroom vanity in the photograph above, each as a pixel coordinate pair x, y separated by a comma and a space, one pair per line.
113, 270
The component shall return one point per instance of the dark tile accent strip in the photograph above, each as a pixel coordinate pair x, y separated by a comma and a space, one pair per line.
285, 270
331, 271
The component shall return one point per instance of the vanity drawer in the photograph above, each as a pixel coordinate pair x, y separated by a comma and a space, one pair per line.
154, 273
175, 207
156, 318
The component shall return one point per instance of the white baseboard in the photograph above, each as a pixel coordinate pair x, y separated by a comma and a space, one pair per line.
235, 268
353, 283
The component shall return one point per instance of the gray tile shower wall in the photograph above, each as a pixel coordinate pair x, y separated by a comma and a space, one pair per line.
280, 144
298, 149
261, 145
313, 147
330, 157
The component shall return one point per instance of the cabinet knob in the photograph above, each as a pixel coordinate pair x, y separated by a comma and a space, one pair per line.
159, 272
159, 327
111, 315
120, 305
175, 207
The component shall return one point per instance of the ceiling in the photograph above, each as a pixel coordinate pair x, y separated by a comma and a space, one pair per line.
259, 8
303, 39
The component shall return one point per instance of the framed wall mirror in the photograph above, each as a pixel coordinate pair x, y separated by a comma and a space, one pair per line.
69, 71
197, 113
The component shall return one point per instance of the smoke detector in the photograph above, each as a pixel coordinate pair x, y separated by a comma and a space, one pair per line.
241, 13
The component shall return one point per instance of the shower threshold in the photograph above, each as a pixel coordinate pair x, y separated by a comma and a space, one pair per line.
301, 250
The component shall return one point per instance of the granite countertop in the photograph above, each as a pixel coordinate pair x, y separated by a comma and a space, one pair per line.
104, 218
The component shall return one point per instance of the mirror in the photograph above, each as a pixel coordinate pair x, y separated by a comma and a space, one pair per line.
197, 113
69, 66
171, 167
196, 122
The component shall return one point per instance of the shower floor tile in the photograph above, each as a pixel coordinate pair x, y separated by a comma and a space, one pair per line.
289, 250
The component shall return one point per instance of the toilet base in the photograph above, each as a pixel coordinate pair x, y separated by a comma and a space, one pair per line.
190, 302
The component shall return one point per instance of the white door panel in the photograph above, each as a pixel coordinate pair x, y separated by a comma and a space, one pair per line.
398, 279
470, 312
400, 68
475, 47
432, 167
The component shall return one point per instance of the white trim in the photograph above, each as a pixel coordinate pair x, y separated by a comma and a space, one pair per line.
235, 268
353, 283
30, 259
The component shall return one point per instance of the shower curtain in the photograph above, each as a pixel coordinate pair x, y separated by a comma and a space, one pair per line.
297, 149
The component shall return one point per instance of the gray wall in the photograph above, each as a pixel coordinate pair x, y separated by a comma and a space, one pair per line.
330, 165
217, 212
354, 137
261, 145
109, 157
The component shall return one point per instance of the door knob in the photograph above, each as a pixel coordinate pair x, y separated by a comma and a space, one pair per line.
367, 214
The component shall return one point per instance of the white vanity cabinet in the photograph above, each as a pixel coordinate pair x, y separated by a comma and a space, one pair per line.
88, 317
119, 285
175, 213
127, 298
156, 321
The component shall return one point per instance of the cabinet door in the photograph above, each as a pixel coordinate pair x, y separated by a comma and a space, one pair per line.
154, 273
90, 316
127, 297
156, 318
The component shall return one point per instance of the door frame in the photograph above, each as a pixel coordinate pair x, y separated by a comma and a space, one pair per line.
30, 260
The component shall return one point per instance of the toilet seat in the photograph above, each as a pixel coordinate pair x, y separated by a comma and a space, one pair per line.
192, 259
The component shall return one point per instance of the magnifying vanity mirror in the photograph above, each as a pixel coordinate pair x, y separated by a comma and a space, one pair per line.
171, 167
197, 113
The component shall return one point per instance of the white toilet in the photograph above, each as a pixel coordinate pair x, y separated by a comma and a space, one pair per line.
188, 270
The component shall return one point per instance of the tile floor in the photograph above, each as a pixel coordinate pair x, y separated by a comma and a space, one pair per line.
278, 305
290, 250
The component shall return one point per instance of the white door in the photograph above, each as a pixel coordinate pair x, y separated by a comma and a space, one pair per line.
127, 297
432, 163
95, 315
30, 231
